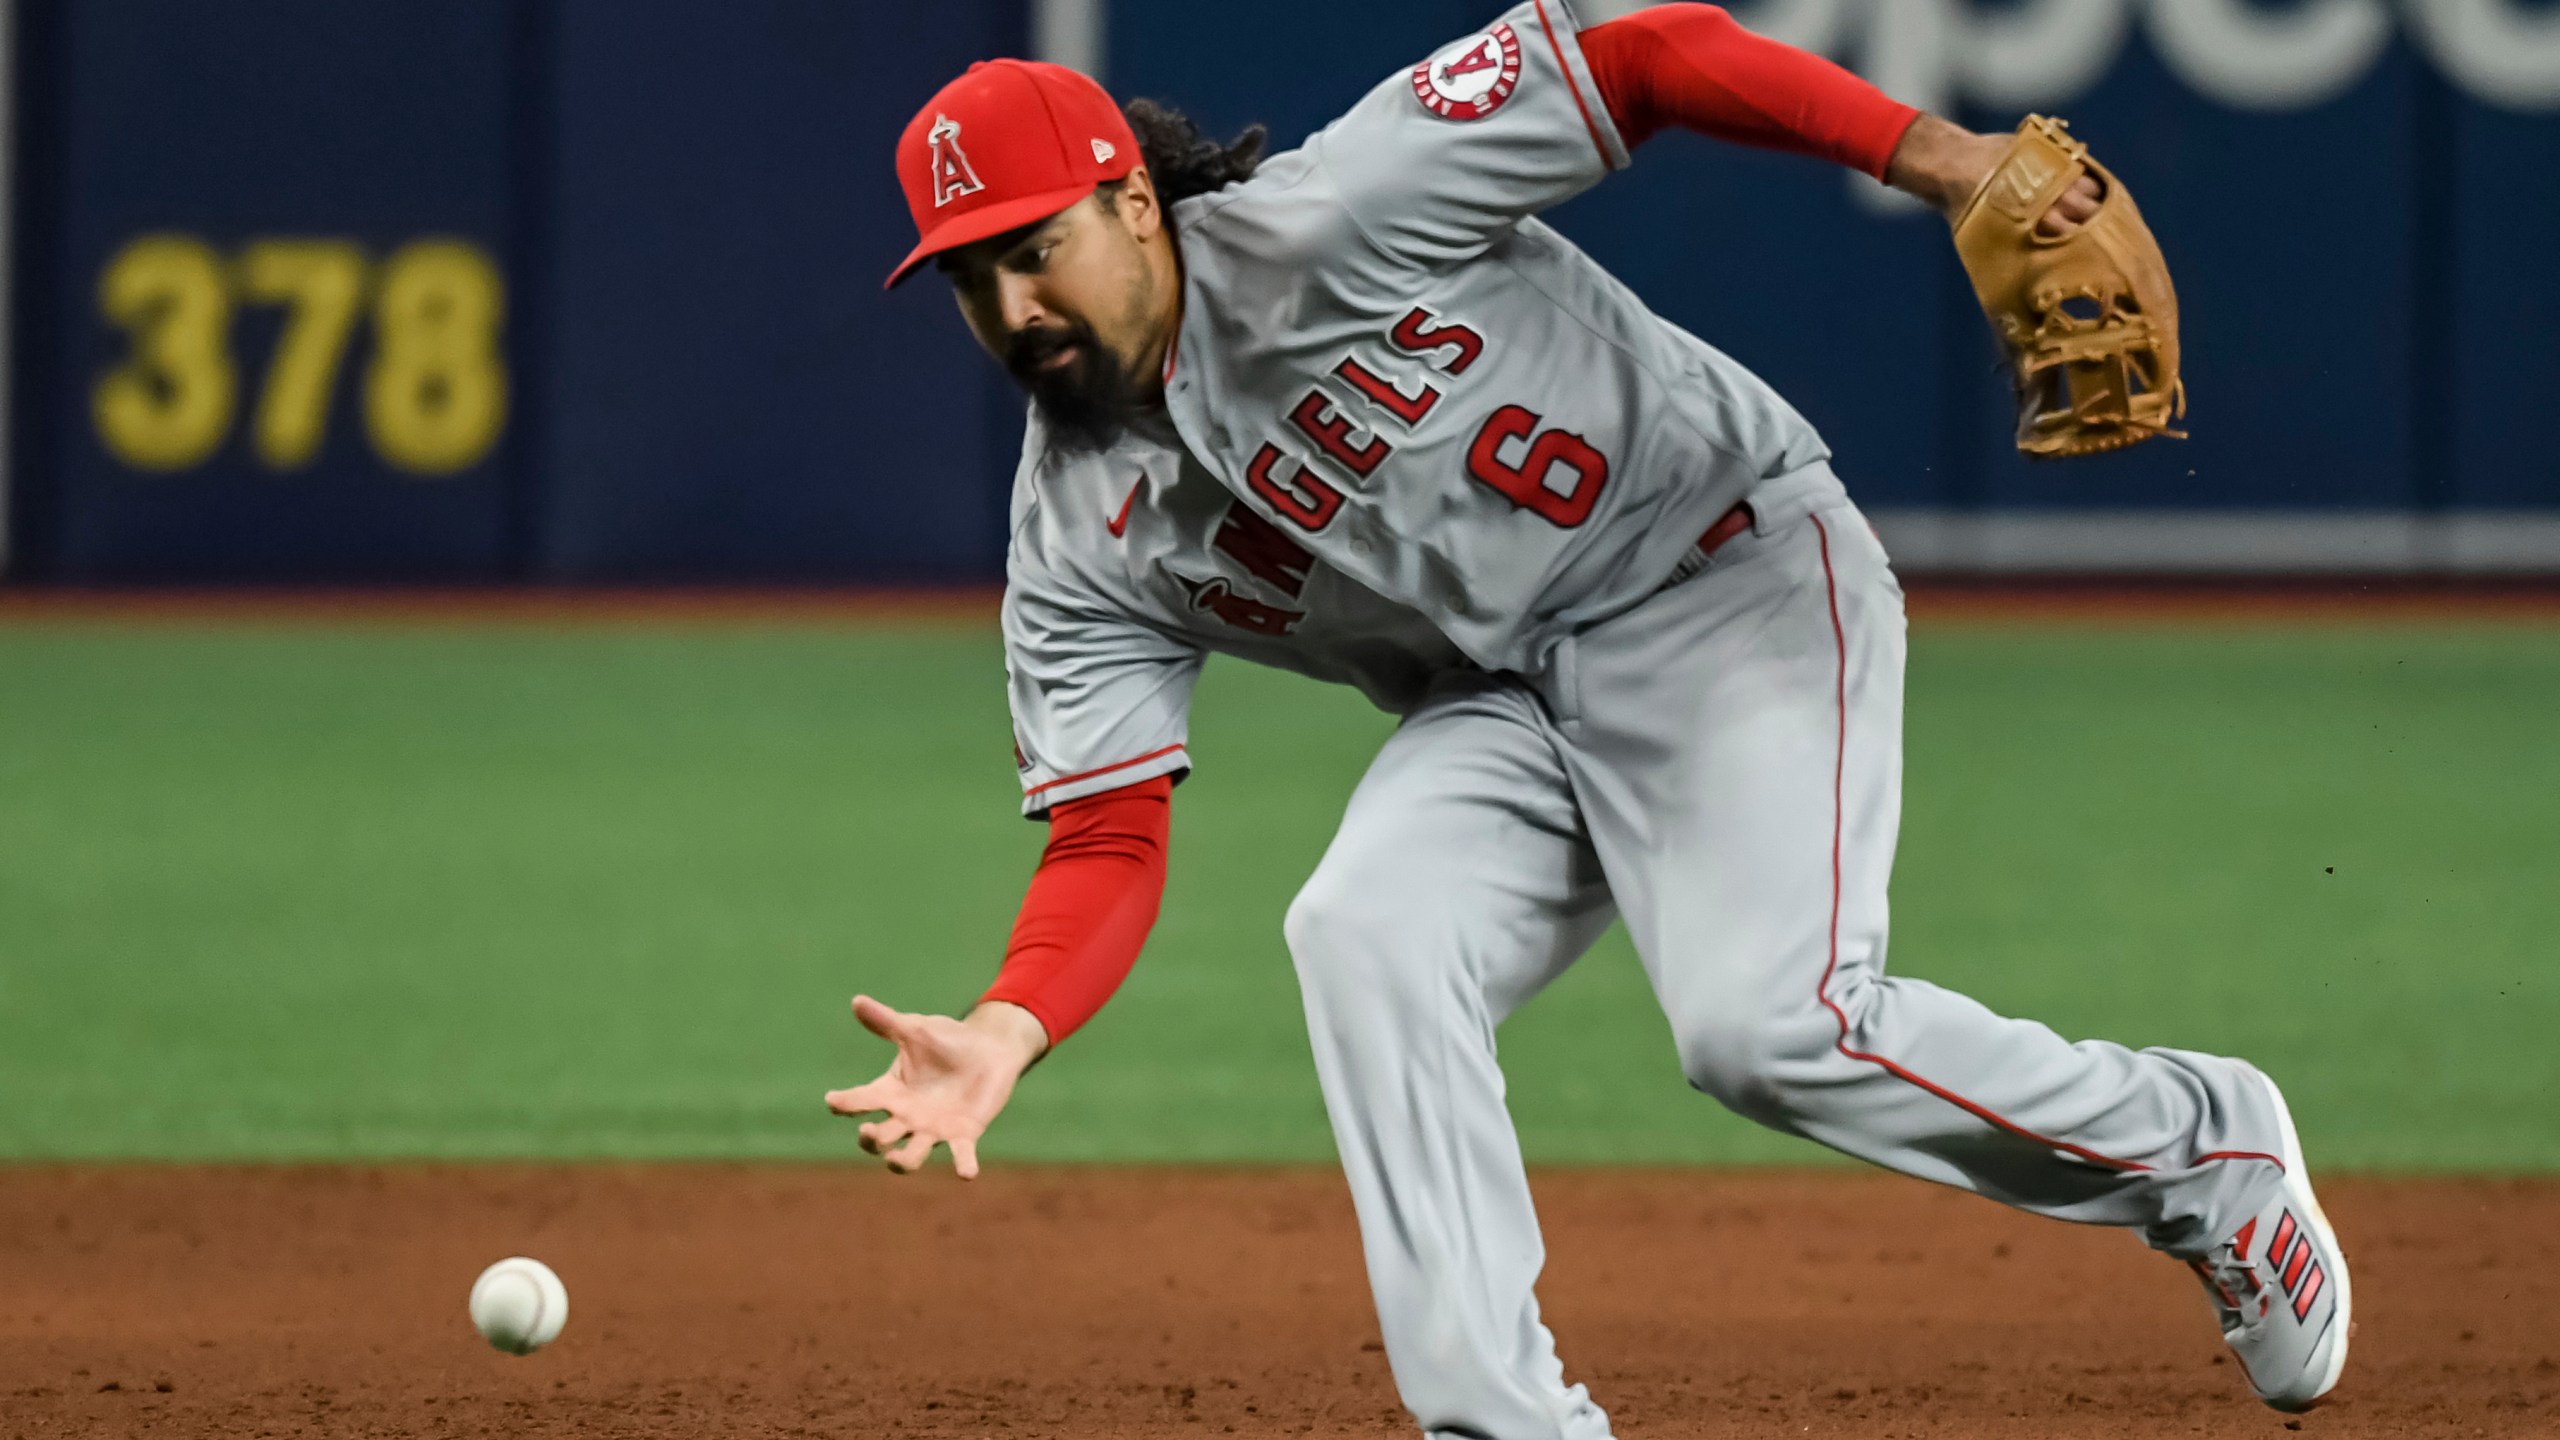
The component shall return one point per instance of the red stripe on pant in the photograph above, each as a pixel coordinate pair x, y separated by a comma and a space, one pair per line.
1839, 782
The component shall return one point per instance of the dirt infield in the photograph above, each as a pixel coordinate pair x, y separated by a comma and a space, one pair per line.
1180, 1303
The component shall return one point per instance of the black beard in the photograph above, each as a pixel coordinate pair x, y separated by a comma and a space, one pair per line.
1086, 403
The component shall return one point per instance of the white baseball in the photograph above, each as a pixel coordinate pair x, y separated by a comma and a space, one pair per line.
518, 1305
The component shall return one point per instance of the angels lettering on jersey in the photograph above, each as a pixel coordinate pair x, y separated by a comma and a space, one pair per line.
1268, 556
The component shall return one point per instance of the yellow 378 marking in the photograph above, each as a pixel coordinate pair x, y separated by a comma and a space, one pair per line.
434, 391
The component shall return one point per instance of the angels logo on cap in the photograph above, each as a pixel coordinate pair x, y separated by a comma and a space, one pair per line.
1472, 78
952, 177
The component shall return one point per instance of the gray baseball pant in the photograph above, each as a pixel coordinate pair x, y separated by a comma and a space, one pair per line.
1722, 766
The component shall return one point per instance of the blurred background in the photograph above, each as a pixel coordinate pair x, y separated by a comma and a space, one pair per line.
586, 291
574, 307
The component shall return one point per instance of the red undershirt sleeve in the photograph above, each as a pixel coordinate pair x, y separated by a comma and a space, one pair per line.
1090, 905
1696, 67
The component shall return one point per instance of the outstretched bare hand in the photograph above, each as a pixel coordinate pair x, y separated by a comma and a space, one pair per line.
947, 1084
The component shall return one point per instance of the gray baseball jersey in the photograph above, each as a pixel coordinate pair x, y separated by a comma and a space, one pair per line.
1474, 434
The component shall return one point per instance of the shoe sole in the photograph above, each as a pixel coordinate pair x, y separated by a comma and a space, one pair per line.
2297, 1184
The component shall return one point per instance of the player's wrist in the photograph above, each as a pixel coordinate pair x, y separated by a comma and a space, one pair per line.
1942, 163
1016, 1032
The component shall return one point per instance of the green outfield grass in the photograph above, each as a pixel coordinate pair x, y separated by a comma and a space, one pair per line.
445, 890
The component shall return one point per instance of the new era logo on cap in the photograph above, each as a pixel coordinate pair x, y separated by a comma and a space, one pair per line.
1102, 152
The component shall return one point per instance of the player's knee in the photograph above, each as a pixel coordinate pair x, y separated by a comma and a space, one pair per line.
1759, 1062
1721, 1056
1334, 926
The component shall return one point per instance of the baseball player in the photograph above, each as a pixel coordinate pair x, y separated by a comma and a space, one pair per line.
1355, 411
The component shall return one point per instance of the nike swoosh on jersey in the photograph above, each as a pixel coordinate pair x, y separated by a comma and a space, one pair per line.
1119, 524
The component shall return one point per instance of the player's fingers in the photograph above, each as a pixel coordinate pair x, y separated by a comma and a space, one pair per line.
964, 1158
859, 1099
910, 1157
2075, 208
877, 1018
879, 1135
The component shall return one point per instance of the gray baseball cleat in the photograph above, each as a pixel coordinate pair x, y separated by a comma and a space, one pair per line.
2279, 1286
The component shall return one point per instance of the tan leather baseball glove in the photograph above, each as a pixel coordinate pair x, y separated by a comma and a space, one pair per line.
2088, 318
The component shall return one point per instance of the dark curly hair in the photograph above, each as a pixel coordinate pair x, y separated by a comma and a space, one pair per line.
1182, 161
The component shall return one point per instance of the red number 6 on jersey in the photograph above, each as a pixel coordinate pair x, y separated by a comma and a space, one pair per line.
1525, 484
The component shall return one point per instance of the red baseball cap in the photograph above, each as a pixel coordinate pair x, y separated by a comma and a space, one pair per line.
1009, 143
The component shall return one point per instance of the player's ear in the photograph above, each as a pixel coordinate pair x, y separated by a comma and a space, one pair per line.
1137, 204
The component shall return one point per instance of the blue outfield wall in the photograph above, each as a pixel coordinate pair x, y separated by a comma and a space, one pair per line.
587, 291
688, 209
730, 395
206, 129
2502, 290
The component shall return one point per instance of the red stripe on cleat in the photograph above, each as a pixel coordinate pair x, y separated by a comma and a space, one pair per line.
2311, 1288
2294, 1267
2283, 1242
